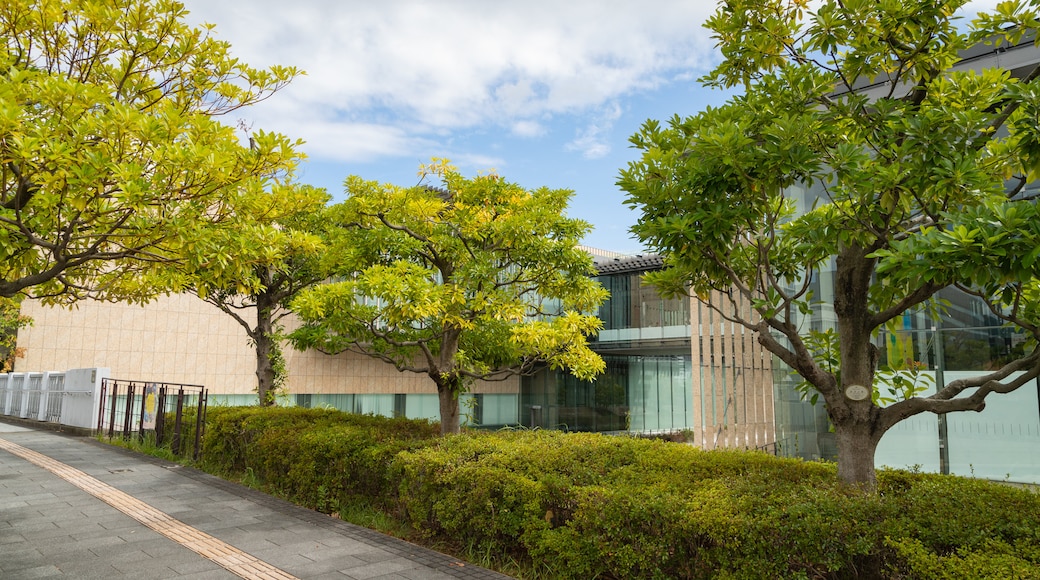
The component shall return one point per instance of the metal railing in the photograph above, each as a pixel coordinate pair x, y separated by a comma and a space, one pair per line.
134, 408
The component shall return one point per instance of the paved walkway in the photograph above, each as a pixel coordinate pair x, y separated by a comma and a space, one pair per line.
71, 507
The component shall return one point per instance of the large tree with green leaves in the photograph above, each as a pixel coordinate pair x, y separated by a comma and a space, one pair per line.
477, 278
922, 162
112, 154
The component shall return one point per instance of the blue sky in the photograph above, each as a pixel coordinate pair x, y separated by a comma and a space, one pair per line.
545, 93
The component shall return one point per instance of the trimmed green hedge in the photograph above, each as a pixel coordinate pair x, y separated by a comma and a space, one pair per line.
592, 506
314, 457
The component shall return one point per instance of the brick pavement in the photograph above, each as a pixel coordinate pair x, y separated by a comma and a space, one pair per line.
71, 507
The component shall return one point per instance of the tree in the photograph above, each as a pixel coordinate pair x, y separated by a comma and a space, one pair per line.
479, 279
283, 265
112, 156
922, 169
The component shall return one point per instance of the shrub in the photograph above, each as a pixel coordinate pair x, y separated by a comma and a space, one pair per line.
316, 457
614, 507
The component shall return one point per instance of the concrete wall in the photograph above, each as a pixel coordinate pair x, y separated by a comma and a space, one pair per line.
182, 339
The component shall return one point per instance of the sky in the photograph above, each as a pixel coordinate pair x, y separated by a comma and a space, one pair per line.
542, 92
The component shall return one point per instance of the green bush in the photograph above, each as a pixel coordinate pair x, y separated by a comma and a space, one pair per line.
590, 506
315, 457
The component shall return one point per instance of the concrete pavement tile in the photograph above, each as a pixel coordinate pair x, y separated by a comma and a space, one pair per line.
130, 560
29, 527
289, 561
31, 497
50, 534
20, 559
377, 569
141, 534
74, 525
60, 508
198, 564
342, 541
282, 538
219, 523
61, 545
376, 556
356, 550
59, 552
424, 574
220, 574
161, 547
335, 575
11, 538
327, 566
117, 522
93, 510
197, 519
88, 570
45, 571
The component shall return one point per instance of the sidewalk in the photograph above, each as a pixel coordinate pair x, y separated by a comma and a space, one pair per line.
71, 507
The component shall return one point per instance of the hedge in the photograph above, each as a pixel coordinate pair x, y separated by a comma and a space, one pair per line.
314, 457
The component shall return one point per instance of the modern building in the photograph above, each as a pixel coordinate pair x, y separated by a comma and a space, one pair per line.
672, 365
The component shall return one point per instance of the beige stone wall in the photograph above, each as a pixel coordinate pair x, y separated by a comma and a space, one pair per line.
732, 381
182, 339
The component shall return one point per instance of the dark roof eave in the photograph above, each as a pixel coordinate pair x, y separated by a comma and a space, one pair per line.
637, 263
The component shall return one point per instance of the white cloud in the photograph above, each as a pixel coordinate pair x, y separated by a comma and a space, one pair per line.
413, 67
527, 128
592, 140
476, 163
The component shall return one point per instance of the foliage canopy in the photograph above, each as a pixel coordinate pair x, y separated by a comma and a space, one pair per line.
112, 155
918, 166
476, 279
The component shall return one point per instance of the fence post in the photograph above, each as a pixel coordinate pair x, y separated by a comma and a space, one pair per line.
101, 407
200, 424
160, 415
112, 410
177, 422
128, 410
144, 407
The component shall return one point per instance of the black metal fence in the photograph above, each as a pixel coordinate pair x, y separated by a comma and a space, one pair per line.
171, 411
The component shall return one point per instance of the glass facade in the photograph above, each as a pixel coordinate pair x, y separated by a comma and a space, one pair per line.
645, 343
639, 393
477, 409
635, 314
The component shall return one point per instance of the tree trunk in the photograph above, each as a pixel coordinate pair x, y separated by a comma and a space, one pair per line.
264, 340
445, 375
265, 375
856, 446
854, 419
448, 398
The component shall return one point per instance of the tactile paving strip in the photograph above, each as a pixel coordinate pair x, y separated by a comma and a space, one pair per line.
227, 556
